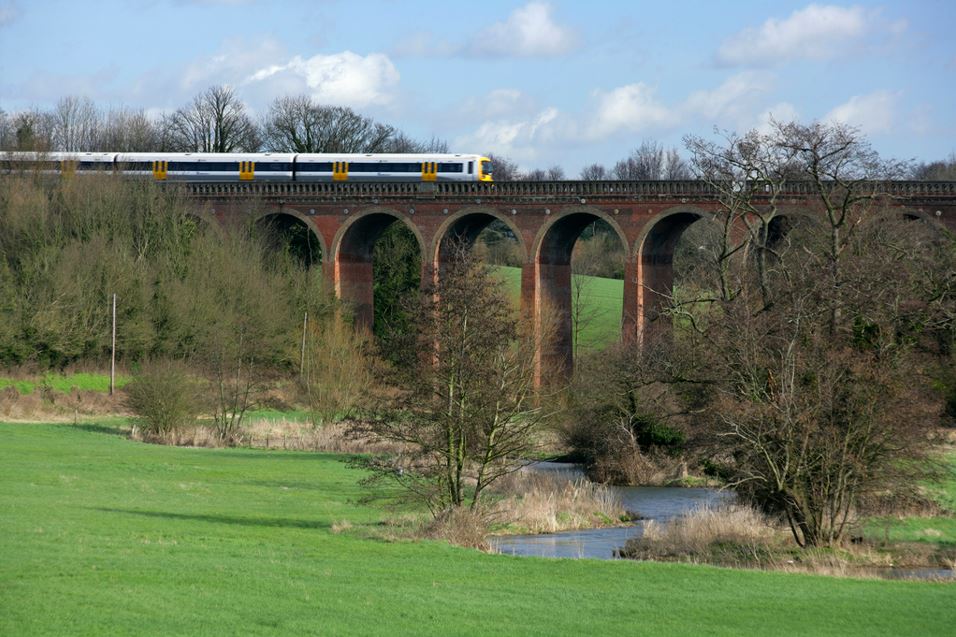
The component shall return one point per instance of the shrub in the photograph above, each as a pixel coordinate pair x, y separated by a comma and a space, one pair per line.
165, 397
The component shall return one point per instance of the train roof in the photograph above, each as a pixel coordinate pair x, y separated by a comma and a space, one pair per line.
204, 157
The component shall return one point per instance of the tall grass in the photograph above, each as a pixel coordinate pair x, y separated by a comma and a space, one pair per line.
707, 534
540, 503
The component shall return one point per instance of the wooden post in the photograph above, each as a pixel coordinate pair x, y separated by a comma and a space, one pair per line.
305, 326
113, 351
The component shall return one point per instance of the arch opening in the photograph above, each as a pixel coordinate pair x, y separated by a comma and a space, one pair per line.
291, 237
580, 270
396, 281
378, 264
657, 270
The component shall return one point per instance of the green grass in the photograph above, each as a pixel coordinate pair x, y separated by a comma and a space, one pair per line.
103, 536
604, 303
275, 415
65, 383
939, 529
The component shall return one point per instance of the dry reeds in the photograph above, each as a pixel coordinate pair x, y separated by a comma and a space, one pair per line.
460, 526
729, 533
541, 503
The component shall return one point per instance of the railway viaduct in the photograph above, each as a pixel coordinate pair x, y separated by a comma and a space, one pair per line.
546, 218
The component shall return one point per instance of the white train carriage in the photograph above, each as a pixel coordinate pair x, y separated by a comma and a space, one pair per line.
391, 167
58, 163
207, 166
260, 166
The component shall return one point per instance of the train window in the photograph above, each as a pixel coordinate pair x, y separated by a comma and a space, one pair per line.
273, 167
94, 165
471, 168
314, 167
203, 166
144, 166
449, 168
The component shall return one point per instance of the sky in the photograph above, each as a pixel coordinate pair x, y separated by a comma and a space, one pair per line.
542, 82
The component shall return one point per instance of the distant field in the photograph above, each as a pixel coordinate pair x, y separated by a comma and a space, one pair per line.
64, 382
103, 536
604, 303
941, 530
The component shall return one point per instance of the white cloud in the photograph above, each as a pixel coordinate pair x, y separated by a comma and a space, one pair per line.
234, 61
814, 32
9, 12
782, 112
733, 101
342, 78
520, 140
528, 32
873, 113
631, 108
421, 44
498, 104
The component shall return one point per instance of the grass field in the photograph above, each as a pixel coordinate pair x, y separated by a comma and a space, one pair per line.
939, 529
604, 299
103, 536
64, 382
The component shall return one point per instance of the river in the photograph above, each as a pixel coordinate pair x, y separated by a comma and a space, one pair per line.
649, 503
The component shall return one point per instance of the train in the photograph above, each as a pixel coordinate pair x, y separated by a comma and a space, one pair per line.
305, 167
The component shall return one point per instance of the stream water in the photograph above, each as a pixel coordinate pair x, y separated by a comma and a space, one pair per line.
650, 503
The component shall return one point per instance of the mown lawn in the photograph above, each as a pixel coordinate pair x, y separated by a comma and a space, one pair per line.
601, 317
103, 536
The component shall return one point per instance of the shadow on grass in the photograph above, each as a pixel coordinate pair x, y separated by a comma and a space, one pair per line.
284, 484
113, 430
285, 523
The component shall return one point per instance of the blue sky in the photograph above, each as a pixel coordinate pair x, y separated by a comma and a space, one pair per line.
568, 83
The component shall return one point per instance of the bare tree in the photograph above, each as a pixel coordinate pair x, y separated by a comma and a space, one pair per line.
801, 361
215, 122
76, 124
467, 403
594, 172
32, 130
941, 170
128, 131
555, 173
402, 143
299, 124
504, 168
651, 161
7, 133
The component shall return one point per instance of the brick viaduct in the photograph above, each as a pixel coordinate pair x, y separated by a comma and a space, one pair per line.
546, 218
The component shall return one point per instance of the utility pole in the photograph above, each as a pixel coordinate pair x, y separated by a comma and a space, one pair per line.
113, 351
305, 327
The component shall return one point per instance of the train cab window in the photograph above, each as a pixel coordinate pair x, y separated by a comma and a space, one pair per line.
486, 168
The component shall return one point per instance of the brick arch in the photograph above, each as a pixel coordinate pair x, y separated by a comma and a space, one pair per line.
654, 261
549, 226
207, 219
304, 219
551, 263
468, 222
926, 215
351, 258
